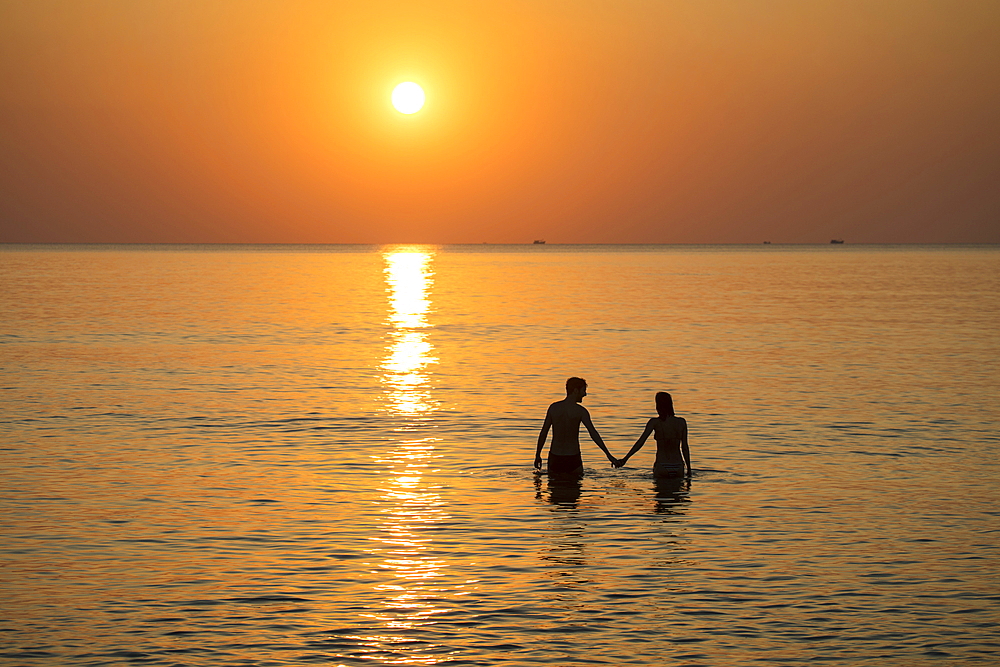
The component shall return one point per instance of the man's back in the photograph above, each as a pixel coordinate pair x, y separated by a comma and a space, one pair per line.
566, 416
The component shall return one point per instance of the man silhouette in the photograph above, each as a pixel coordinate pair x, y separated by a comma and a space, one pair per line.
564, 418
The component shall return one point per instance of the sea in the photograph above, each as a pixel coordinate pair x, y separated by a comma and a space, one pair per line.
285, 455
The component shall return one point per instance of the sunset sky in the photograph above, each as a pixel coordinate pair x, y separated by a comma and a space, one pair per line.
572, 121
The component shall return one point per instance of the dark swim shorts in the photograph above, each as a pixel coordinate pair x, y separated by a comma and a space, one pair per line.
560, 465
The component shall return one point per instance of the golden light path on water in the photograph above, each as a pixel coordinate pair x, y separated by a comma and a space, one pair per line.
409, 279
408, 570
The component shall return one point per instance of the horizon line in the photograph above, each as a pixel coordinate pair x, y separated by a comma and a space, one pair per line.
482, 243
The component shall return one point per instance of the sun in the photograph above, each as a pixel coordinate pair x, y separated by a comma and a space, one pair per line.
408, 97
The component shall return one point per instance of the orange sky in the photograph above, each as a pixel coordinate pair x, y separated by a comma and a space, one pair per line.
572, 121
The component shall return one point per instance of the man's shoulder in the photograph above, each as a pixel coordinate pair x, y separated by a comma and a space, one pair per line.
568, 407
556, 408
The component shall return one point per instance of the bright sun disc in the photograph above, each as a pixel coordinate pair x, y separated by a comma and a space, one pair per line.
408, 97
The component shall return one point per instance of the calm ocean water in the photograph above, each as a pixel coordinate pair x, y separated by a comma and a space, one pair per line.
288, 455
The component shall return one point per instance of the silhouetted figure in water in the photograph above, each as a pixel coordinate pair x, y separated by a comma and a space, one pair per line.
673, 459
564, 418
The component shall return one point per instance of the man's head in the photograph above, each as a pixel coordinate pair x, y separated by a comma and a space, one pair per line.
576, 388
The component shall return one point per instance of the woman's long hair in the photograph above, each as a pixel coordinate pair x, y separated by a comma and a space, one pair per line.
664, 405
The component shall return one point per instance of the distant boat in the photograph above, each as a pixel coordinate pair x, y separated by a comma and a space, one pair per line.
541, 242
836, 240
767, 243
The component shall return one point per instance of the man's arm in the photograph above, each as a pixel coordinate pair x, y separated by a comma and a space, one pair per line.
595, 436
541, 438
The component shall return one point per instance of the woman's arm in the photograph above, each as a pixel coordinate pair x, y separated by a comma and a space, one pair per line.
640, 442
685, 452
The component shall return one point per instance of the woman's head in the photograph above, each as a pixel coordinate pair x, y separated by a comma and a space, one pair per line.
664, 405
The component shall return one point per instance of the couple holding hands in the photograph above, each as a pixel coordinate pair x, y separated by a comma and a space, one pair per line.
564, 418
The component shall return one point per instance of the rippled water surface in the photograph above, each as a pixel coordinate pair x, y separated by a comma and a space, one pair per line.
283, 456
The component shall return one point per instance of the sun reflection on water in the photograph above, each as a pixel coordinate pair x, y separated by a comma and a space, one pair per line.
409, 279
410, 569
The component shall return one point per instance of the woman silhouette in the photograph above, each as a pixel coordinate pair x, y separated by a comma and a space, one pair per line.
673, 459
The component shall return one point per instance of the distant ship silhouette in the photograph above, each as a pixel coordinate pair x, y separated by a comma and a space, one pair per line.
836, 240
539, 242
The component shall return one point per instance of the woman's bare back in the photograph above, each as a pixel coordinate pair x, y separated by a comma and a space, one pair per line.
669, 434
